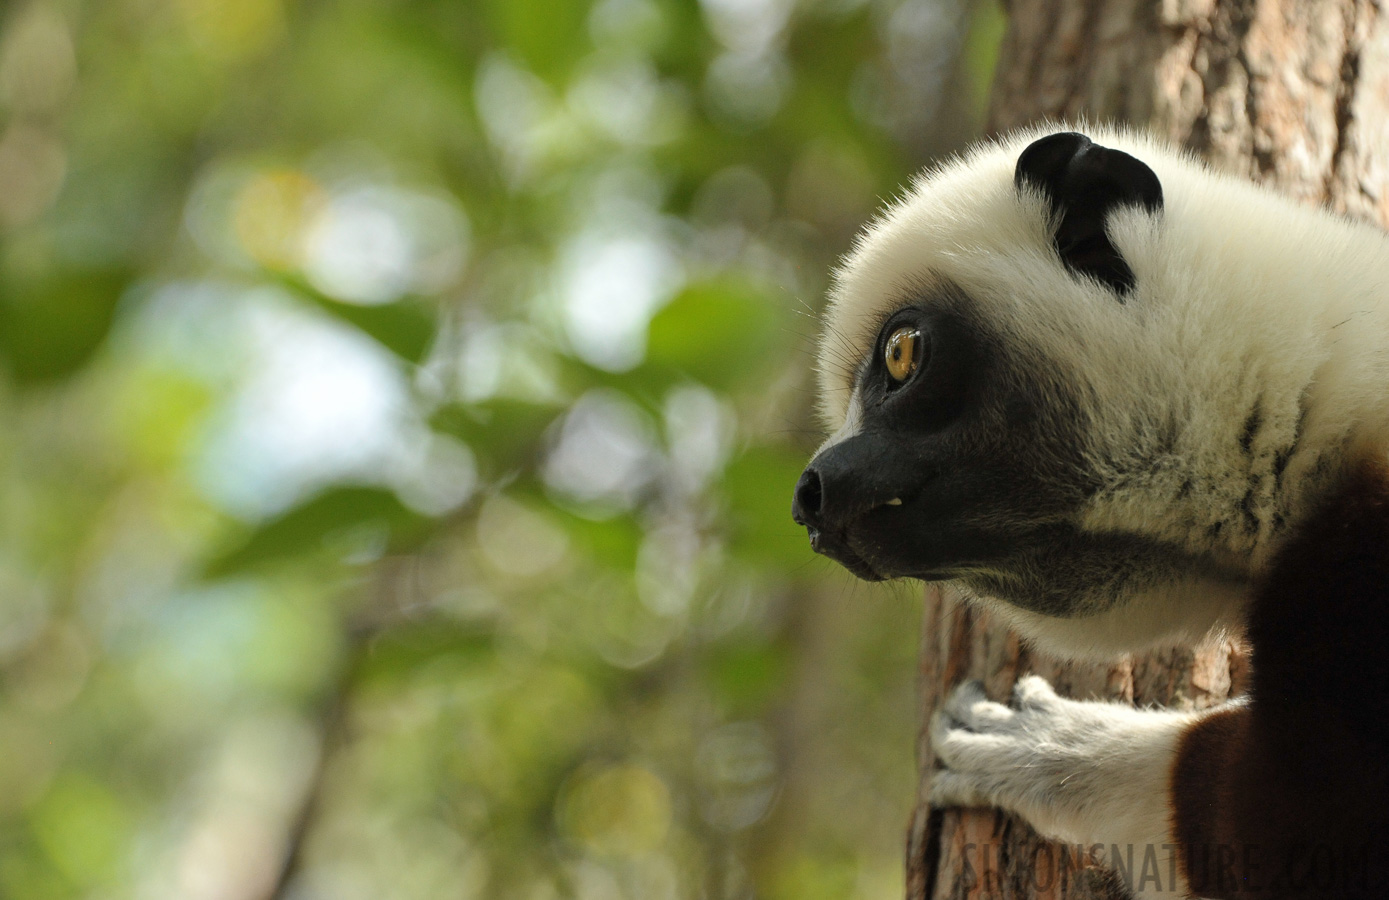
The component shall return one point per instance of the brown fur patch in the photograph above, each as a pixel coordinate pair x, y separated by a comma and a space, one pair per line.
1289, 795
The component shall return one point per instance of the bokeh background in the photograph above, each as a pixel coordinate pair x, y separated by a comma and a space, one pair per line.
400, 402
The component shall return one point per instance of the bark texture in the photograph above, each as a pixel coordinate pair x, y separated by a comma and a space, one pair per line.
1290, 93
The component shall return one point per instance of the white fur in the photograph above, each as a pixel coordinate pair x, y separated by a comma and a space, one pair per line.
1241, 297
1082, 773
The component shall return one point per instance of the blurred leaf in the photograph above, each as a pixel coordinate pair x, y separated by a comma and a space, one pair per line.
164, 411
980, 52
758, 486
397, 654
548, 36
809, 876
51, 326
25, 872
723, 333
746, 675
304, 529
83, 827
688, 45
405, 327
505, 434
646, 385
610, 542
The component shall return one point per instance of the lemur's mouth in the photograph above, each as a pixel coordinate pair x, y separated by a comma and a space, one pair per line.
837, 548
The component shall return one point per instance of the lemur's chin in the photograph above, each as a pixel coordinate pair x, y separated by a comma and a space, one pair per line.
838, 549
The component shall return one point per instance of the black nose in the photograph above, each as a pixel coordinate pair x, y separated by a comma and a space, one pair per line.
825, 526
805, 503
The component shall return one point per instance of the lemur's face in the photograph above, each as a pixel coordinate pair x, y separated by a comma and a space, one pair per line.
924, 479
964, 446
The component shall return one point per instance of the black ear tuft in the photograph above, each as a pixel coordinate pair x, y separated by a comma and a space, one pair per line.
1084, 181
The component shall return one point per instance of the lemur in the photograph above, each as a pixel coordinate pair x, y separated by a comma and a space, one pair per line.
1123, 401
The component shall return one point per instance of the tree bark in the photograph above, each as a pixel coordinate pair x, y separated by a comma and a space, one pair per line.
1290, 93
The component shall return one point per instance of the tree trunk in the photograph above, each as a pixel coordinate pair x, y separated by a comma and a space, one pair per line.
1294, 94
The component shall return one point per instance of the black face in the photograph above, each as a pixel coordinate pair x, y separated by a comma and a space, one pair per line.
962, 462
969, 462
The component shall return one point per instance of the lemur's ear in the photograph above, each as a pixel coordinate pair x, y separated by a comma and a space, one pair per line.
1084, 181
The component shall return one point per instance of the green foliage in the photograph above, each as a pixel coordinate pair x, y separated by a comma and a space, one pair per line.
747, 676
52, 323
980, 55
760, 509
400, 402
504, 432
540, 32
82, 827
721, 334
612, 543
307, 529
406, 327
397, 657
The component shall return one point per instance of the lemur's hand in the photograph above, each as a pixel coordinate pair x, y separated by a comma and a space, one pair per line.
1081, 772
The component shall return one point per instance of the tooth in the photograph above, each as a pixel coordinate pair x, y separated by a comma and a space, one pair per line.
895, 501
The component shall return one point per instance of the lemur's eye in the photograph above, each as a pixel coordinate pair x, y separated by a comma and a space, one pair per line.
902, 353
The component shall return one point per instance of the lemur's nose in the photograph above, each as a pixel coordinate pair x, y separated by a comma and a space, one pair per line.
839, 485
805, 502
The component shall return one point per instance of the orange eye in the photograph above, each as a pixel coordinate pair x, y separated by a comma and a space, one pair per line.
902, 353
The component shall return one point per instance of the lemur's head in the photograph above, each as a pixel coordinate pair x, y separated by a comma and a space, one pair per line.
1050, 377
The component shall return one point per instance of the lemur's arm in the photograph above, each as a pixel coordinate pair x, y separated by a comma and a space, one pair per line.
1278, 795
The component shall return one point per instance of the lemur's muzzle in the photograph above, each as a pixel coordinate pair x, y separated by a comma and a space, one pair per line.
842, 484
